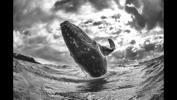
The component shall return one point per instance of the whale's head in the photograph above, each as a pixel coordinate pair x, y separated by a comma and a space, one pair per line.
76, 39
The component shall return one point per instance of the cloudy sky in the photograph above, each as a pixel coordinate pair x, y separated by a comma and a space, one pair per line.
36, 30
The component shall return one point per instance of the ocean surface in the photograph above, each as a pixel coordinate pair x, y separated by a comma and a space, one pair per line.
44, 70
140, 80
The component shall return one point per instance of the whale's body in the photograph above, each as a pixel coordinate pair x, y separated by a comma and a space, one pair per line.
87, 53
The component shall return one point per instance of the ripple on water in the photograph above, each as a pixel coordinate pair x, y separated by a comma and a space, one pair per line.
144, 82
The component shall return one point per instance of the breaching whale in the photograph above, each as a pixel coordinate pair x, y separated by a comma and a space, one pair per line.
87, 53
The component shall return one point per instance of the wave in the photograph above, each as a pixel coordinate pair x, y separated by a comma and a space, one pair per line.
144, 81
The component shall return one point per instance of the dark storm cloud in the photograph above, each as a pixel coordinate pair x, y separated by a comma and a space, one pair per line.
100, 4
37, 40
129, 1
26, 20
74, 5
138, 18
68, 5
26, 13
135, 2
152, 13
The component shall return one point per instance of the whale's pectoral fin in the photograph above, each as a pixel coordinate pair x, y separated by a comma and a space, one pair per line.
112, 45
105, 50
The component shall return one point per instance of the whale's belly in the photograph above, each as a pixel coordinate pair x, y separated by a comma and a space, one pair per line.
92, 62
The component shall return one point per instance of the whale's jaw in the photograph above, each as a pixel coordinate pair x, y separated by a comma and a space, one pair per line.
76, 39
84, 50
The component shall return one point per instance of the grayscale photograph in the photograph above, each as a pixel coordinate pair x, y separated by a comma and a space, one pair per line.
88, 49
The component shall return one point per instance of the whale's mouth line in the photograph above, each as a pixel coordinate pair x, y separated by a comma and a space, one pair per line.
75, 32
